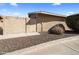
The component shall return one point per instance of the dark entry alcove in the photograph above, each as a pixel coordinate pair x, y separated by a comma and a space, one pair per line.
1, 31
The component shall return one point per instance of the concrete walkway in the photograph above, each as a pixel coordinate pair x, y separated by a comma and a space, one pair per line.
65, 46
18, 35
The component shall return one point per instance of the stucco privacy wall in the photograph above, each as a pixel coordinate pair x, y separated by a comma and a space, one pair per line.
50, 21
13, 25
31, 25
42, 22
36, 23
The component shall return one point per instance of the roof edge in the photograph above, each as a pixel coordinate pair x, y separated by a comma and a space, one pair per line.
43, 12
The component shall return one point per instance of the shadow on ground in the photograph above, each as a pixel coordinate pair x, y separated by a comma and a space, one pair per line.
71, 32
13, 44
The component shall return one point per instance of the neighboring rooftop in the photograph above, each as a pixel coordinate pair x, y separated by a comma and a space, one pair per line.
48, 13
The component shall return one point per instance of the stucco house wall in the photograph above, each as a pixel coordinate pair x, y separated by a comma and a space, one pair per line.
41, 22
31, 25
37, 22
13, 25
50, 21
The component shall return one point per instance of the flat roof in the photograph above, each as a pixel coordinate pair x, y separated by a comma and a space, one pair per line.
47, 13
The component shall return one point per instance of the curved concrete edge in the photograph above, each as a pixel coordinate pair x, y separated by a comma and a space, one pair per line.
41, 46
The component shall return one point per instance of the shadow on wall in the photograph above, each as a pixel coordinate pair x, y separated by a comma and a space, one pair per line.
33, 21
44, 18
1, 31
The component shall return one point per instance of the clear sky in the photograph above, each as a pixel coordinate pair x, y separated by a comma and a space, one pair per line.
22, 9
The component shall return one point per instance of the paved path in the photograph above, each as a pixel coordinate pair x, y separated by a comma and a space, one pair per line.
68, 46
17, 35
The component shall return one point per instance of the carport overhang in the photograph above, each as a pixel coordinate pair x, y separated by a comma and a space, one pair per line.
46, 14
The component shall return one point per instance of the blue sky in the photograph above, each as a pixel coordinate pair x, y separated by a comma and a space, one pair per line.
22, 9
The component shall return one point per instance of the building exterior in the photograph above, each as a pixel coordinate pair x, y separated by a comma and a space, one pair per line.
37, 22
11, 25
42, 21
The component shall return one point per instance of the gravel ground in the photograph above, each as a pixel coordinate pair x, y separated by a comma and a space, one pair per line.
9, 45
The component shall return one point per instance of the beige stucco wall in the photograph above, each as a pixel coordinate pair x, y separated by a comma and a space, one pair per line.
14, 25
49, 22
31, 25
43, 22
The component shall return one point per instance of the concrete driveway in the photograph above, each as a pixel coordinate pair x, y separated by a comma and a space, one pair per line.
65, 46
